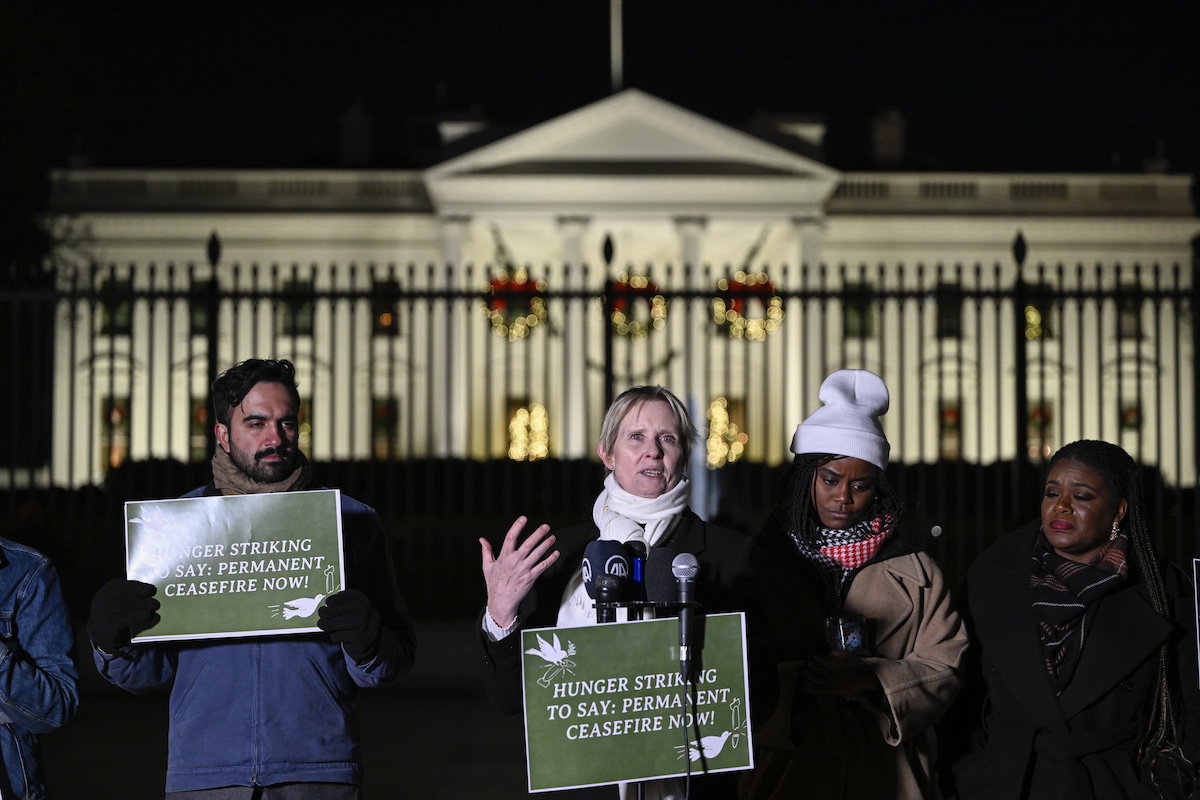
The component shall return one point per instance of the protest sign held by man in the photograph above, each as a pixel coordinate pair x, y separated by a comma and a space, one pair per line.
265, 717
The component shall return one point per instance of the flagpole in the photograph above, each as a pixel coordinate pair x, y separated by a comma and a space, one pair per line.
616, 51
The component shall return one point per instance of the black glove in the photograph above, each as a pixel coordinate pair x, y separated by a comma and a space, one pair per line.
121, 609
348, 618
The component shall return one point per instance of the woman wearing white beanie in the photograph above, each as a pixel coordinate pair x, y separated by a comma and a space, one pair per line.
854, 719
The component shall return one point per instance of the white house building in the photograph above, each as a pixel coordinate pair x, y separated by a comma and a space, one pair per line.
635, 190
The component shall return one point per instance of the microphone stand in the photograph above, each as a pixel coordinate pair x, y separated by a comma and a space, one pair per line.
608, 590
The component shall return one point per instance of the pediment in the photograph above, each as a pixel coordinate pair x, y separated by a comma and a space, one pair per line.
608, 150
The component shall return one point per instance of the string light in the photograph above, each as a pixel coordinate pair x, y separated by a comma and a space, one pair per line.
516, 306
529, 434
729, 310
726, 444
628, 289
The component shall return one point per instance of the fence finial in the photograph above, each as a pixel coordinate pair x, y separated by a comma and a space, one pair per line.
1019, 249
214, 249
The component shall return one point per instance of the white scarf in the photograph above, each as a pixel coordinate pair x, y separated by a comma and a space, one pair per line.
622, 516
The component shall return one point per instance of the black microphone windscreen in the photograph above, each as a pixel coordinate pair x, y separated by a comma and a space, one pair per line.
603, 557
637, 548
608, 588
660, 582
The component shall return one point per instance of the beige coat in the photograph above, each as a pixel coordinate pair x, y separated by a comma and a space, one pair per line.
877, 746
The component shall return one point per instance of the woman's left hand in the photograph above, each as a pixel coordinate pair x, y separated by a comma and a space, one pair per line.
838, 673
511, 573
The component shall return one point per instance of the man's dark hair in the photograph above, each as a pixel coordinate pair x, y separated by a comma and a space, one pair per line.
232, 385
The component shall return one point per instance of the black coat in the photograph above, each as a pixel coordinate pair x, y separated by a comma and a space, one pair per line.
722, 584
1082, 743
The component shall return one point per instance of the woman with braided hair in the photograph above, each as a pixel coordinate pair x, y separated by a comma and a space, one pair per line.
1087, 644
855, 710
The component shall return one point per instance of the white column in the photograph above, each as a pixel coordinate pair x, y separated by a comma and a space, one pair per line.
810, 235
684, 379
572, 425
448, 372
809, 232
692, 390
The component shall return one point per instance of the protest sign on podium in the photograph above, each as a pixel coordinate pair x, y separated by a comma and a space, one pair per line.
607, 703
238, 565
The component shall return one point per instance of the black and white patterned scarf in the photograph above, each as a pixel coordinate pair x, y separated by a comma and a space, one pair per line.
1064, 599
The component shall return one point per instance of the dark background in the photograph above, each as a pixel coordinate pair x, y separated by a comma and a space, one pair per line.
983, 86
1064, 86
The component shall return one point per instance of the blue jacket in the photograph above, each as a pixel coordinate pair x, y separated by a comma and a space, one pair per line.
261, 711
39, 683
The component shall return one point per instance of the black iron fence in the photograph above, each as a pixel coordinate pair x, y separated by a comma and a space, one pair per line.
454, 400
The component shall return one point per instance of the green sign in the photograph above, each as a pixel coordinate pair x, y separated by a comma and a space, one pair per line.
606, 703
241, 565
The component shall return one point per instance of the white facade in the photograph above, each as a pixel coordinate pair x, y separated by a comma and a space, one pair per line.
666, 188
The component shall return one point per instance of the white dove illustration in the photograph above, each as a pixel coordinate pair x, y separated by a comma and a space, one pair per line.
551, 654
153, 518
300, 607
708, 747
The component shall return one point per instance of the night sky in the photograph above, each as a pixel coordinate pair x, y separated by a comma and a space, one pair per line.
1060, 86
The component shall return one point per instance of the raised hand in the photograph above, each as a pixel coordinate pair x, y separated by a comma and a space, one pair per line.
511, 573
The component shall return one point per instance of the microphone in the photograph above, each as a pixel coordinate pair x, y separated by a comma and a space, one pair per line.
659, 581
604, 557
608, 594
637, 564
684, 567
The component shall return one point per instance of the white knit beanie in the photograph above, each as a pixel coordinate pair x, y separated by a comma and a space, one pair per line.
848, 423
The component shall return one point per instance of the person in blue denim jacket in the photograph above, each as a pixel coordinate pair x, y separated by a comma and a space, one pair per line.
269, 718
39, 683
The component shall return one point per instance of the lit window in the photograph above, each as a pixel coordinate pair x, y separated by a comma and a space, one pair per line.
949, 311
1039, 432
201, 296
116, 309
296, 306
385, 423
950, 431
1129, 316
1131, 416
114, 431
198, 427
385, 316
858, 316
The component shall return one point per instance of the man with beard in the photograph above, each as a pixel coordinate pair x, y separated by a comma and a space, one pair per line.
272, 718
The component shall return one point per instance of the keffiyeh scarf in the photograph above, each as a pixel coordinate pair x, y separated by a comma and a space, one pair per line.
835, 554
1064, 599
